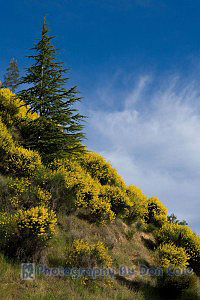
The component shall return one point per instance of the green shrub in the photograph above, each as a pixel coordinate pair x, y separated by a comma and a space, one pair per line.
83, 254
193, 292
54, 183
7, 230
35, 195
157, 212
173, 286
130, 234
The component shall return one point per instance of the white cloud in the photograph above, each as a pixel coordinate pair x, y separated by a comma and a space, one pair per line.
154, 143
136, 93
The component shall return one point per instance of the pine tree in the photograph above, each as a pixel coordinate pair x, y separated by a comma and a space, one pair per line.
11, 78
173, 219
58, 130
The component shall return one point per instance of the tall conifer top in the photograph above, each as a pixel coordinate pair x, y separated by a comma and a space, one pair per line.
48, 96
11, 78
44, 27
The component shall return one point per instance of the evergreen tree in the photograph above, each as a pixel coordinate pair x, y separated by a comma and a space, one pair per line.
11, 78
173, 219
58, 130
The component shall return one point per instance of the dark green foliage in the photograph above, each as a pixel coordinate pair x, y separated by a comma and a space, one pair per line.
173, 219
11, 78
130, 234
58, 129
48, 139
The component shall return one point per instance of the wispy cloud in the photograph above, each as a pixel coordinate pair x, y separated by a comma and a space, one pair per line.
154, 142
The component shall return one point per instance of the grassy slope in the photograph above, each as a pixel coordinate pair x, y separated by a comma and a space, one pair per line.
125, 250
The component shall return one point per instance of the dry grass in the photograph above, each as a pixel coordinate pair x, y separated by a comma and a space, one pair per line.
125, 250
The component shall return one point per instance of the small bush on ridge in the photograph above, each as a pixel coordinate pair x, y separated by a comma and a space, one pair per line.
83, 254
182, 236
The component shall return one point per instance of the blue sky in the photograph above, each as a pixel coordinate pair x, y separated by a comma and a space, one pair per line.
137, 65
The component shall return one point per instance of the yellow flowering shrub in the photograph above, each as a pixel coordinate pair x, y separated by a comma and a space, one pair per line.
170, 254
83, 254
157, 212
8, 108
16, 160
176, 258
6, 141
34, 195
27, 231
16, 193
43, 196
21, 162
13, 191
84, 191
37, 223
99, 211
138, 209
87, 200
7, 99
71, 169
13, 106
184, 237
17, 185
100, 169
120, 202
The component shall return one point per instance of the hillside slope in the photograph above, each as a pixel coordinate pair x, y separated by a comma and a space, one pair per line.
78, 214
